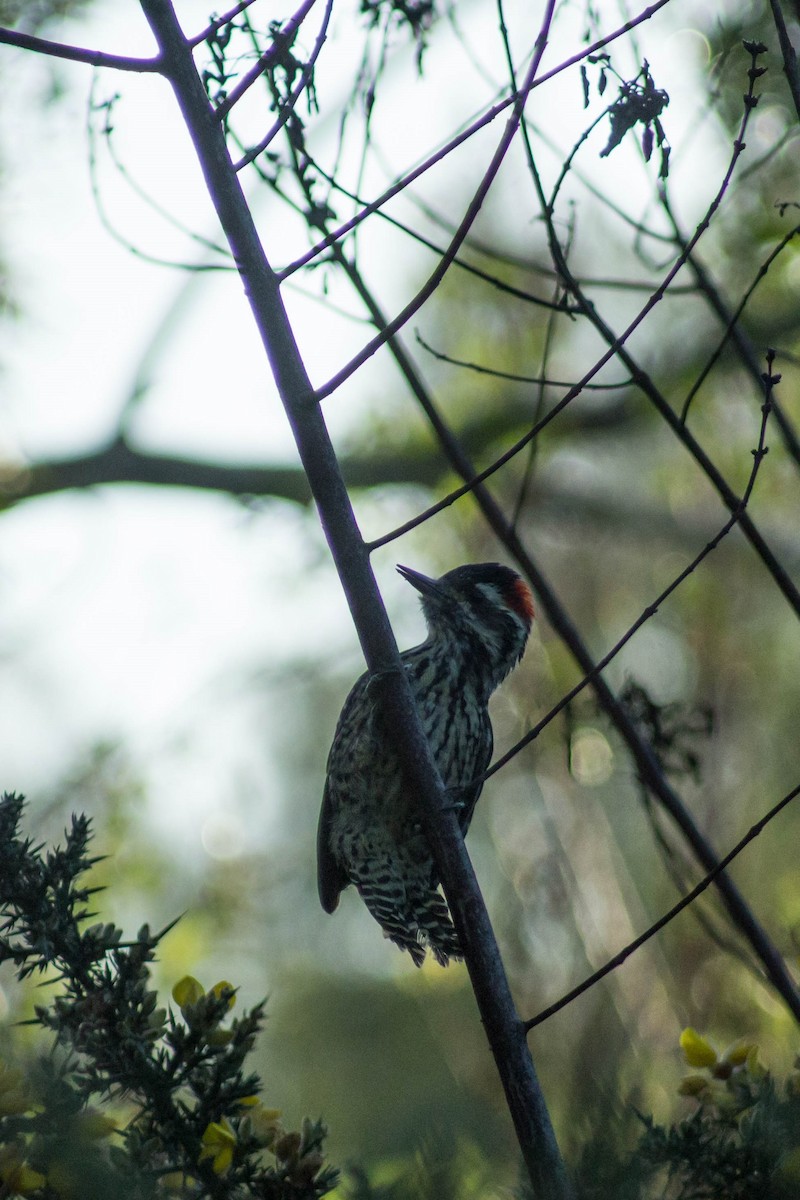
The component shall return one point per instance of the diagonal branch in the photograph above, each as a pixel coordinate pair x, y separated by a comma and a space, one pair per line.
619, 958
790, 65
730, 319
280, 39
503, 1026
287, 107
617, 343
447, 258
647, 764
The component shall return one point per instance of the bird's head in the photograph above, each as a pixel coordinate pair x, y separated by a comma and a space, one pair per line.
486, 607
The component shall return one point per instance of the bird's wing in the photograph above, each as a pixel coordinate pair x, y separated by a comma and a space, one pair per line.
331, 879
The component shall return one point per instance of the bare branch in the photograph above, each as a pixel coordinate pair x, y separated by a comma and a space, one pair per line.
94, 58
393, 694
617, 346
513, 377
790, 66
220, 22
669, 916
759, 454
647, 764
368, 209
306, 76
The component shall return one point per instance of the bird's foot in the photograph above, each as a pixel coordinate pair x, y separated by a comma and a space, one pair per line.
452, 802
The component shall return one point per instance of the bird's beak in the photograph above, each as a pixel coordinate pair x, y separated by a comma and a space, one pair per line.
423, 583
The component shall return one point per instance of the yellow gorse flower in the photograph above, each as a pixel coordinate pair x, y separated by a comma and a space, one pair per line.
219, 990
262, 1123
219, 1143
187, 991
200, 1009
730, 1077
699, 1052
17, 1177
696, 1050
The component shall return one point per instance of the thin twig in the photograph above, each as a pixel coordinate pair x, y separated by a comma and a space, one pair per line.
486, 117
280, 40
650, 611
790, 67
287, 106
219, 23
150, 201
366, 210
94, 58
733, 320
744, 346
647, 764
669, 916
512, 376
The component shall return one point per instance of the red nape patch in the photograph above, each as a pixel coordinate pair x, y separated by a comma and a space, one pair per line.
520, 598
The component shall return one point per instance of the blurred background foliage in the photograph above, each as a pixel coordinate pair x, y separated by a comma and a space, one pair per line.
572, 861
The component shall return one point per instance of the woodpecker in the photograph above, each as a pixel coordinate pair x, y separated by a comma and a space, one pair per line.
478, 618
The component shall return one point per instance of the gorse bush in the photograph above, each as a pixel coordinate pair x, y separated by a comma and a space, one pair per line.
131, 1099
741, 1141
135, 1099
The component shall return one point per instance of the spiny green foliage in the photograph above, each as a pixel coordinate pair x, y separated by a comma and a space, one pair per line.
136, 1102
708, 1156
191, 1123
742, 1142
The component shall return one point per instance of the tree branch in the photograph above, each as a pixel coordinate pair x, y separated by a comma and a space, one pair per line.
279, 41
94, 58
476, 203
647, 764
412, 466
503, 1026
669, 916
790, 66
617, 345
